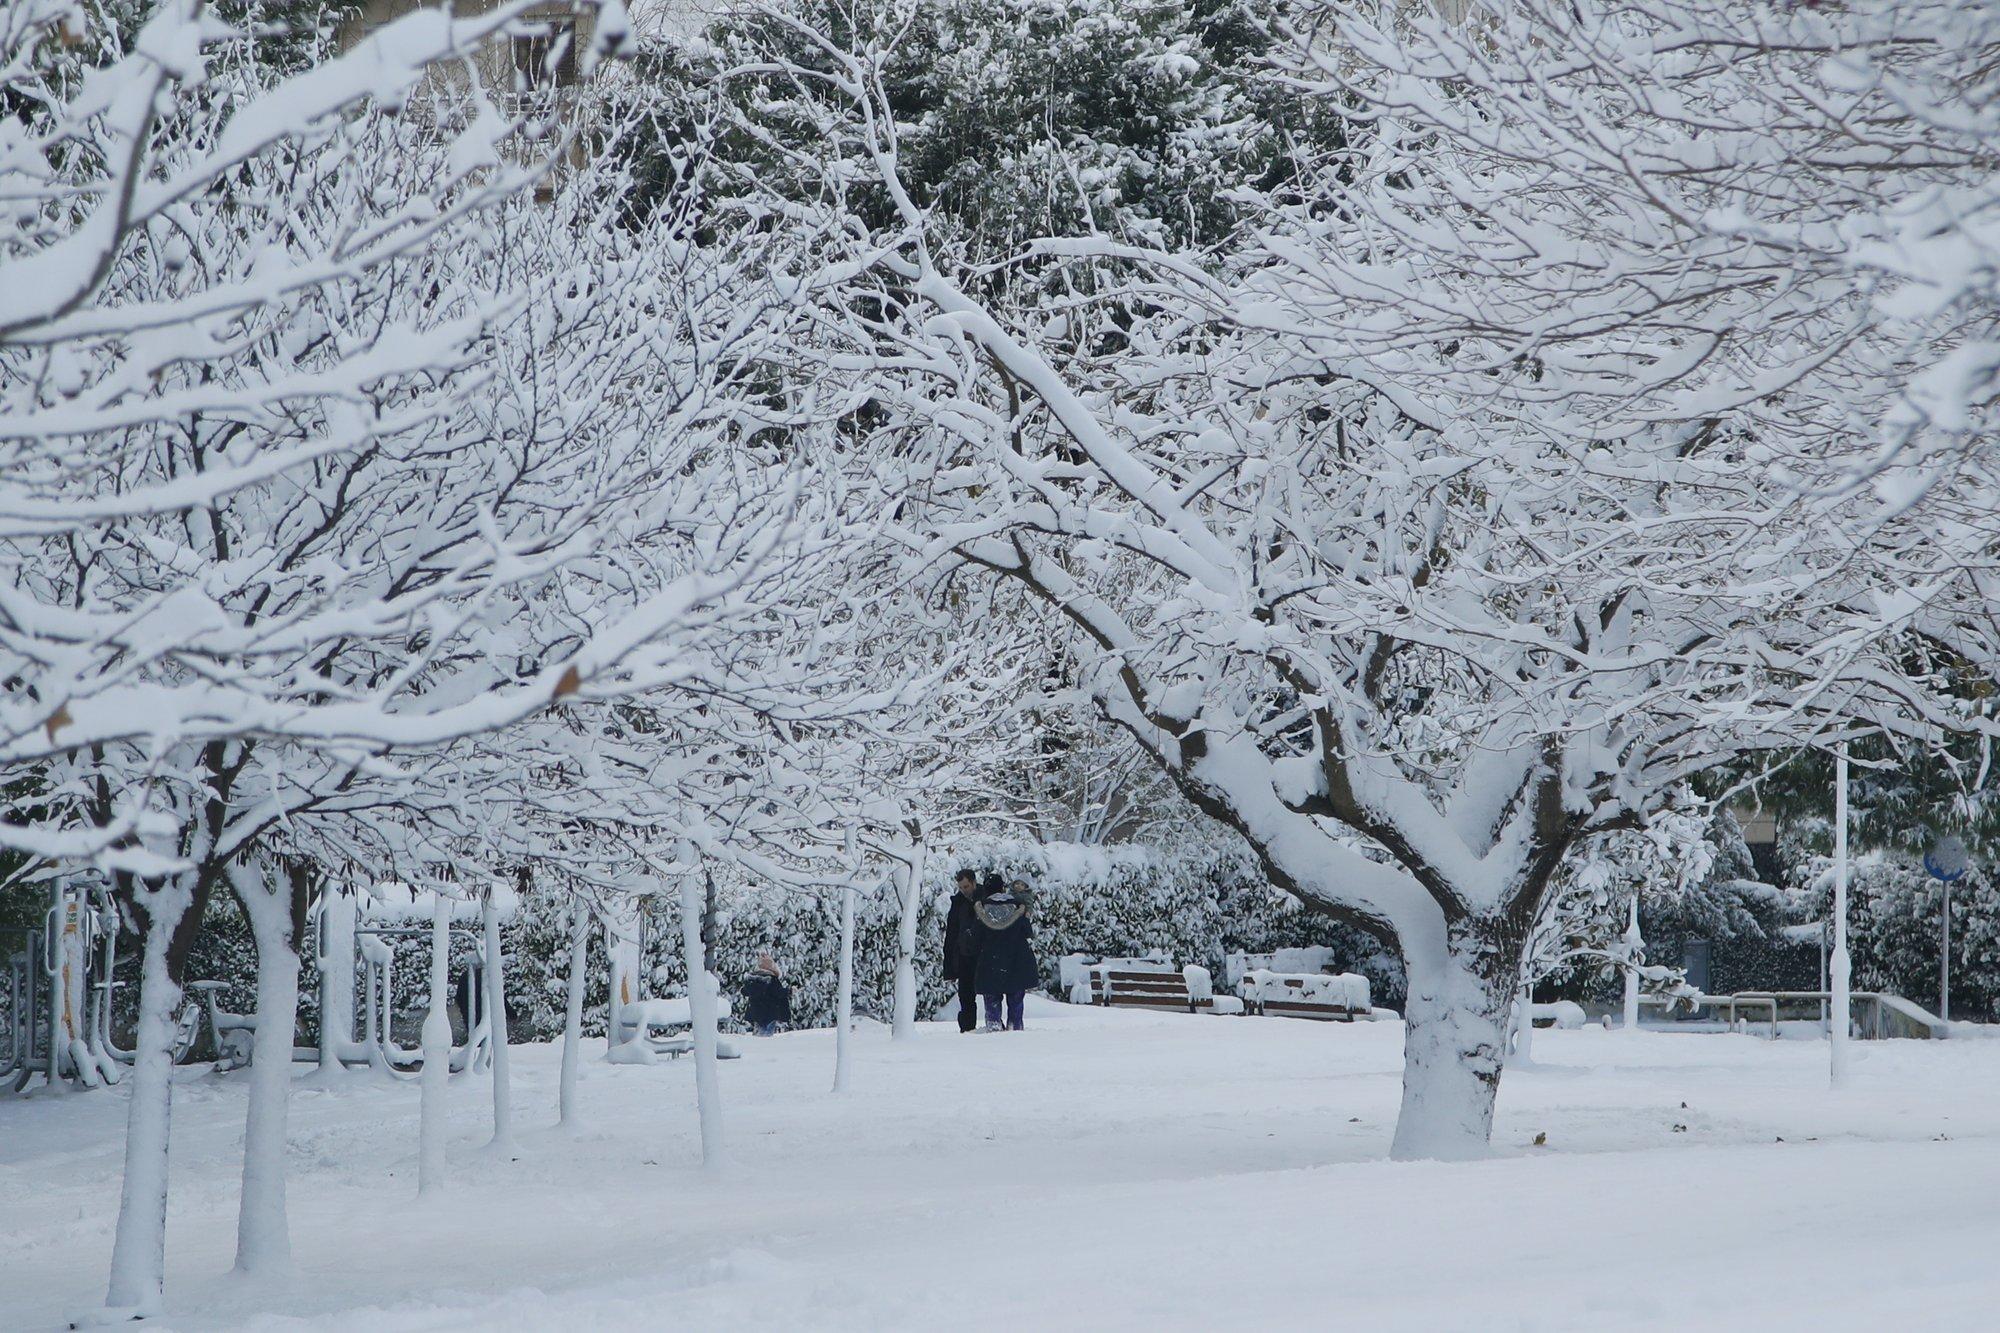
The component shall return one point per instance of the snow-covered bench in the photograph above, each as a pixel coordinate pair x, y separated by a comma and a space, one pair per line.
1076, 973
1153, 986
1143, 984
647, 1028
1341, 997
1312, 958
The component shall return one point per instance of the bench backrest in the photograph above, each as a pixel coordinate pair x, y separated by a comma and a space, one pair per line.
1127, 986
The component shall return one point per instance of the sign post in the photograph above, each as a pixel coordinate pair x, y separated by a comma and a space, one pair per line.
1842, 965
1946, 861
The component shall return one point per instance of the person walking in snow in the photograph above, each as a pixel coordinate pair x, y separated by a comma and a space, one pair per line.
767, 1000
961, 948
1006, 958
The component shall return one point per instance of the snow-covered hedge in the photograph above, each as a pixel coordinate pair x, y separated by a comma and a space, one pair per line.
1101, 901
1122, 900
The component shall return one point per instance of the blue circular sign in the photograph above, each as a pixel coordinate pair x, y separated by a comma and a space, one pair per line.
1946, 860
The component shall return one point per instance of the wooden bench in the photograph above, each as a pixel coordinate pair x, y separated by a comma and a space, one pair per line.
1329, 999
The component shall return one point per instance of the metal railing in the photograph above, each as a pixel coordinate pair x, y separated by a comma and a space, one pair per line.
1875, 1015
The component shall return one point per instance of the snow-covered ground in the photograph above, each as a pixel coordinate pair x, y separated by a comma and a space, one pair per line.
1100, 1171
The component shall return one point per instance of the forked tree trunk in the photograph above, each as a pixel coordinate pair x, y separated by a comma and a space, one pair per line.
263, 1235
139, 1253
1455, 1042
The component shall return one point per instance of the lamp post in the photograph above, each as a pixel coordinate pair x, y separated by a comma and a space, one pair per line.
1842, 966
1633, 944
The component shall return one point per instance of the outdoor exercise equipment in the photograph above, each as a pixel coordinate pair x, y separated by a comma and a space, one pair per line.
60, 978
366, 927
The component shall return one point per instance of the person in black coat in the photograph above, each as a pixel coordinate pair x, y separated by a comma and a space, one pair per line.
1006, 964
767, 1000
961, 948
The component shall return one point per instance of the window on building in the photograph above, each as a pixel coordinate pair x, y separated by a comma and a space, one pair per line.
545, 60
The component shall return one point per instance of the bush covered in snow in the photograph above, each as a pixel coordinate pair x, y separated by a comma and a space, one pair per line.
1097, 900
1895, 920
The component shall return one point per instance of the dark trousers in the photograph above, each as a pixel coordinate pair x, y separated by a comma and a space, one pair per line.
1017, 1005
968, 1004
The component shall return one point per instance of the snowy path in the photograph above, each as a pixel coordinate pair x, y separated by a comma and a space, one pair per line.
1118, 1171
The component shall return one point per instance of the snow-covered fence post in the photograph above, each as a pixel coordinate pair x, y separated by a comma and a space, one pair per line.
437, 1054
910, 884
701, 1012
496, 1016
843, 1010
1842, 968
579, 951
1634, 942
337, 916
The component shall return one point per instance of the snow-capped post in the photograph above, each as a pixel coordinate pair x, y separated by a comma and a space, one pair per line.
621, 948
1634, 944
1524, 1022
579, 951
1842, 968
338, 913
1944, 952
495, 986
437, 1053
69, 1048
843, 1009
910, 885
701, 1010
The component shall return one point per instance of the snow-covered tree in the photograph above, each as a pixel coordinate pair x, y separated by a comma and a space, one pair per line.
1413, 612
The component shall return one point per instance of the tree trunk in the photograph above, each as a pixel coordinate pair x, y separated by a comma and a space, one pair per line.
263, 1235
337, 919
701, 1010
496, 1029
579, 951
911, 883
843, 1009
139, 1253
1454, 1042
437, 1056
